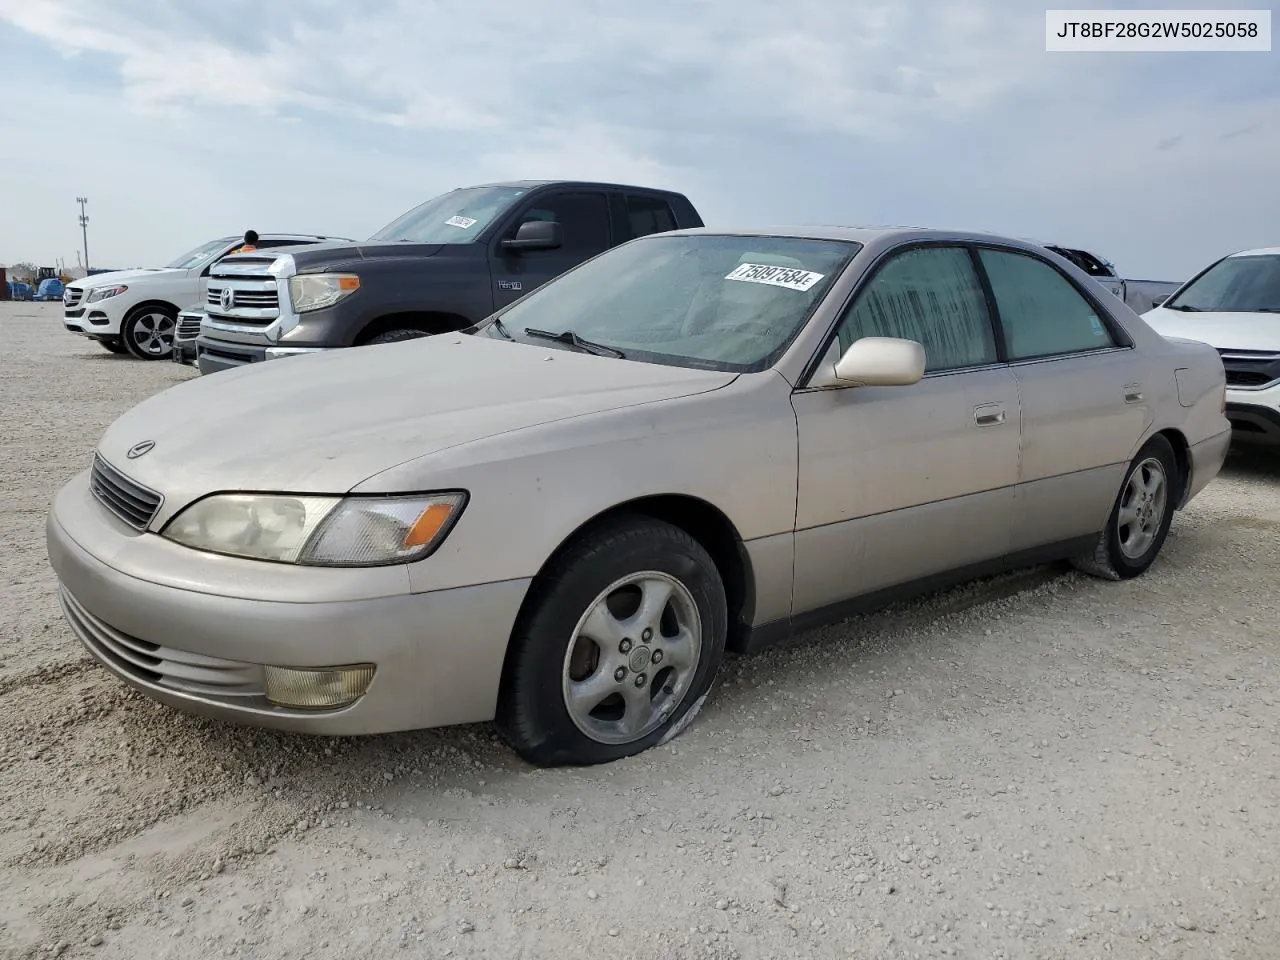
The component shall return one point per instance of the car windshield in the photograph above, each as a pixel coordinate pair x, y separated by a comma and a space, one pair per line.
1245, 284
720, 302
199, 256
455, 217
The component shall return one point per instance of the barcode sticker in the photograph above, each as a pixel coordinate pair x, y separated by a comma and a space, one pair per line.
789, 277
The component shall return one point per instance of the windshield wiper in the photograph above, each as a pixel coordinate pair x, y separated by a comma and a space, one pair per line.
1186, 308
571, 338
501, 328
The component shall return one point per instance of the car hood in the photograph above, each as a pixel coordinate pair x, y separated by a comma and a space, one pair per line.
124, 276
322, 423
1226, 331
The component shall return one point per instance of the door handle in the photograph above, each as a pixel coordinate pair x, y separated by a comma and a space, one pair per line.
1133, 393
988, 414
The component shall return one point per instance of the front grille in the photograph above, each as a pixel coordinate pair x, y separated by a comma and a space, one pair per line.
133, 503
74, 314
162, 666
188, 326
1251, 369
248, 299
72, 296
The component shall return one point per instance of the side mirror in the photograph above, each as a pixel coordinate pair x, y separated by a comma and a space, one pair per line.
536, 235
874, 362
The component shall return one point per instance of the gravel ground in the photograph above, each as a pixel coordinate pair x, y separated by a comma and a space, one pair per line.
1043, 766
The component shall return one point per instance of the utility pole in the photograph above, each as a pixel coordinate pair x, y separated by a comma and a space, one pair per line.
84, 231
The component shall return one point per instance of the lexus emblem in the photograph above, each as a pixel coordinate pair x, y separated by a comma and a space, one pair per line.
228, 298
138, 449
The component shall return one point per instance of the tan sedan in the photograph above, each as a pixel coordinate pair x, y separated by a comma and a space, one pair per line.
562, 518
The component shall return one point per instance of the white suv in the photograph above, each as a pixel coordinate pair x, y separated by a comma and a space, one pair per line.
135, 311
1234, 305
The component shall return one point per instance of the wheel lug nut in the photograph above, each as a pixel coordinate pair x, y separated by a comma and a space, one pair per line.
657, 656
620, 674
647, 635
641, 680
624, 646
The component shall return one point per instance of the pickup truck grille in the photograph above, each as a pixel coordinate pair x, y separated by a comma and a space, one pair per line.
245, 296
1251, 369
133, 503
255, 299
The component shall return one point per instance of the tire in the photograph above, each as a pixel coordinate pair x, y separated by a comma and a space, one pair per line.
597, 585
1151, 487
148, 332
396, 335
113, 345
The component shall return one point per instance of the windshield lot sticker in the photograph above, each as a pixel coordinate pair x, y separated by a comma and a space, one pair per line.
462, 222
788, 277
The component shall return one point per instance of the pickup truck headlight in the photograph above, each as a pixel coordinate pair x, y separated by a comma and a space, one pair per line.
105, 293
315, 291
318, 531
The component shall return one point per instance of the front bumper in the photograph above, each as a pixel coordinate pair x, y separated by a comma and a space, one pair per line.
438, 656
1255, 415
212, 355
96, 320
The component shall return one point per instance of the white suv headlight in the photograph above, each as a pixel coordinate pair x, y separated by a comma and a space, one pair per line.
318, 531
105, 293
315, 291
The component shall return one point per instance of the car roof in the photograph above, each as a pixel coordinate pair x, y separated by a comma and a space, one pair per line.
1257, 252
585, 184
865, 235
283, 236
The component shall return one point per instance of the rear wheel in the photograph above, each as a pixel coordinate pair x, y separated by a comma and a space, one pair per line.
622, 639
148, 332
1141, 516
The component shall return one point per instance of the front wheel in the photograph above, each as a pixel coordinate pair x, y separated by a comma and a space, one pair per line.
620, 644
396, 335
148, 332
1141, 516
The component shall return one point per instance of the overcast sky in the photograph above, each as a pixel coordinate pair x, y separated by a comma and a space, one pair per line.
184, 121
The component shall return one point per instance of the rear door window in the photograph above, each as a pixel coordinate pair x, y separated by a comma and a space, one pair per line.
646, 215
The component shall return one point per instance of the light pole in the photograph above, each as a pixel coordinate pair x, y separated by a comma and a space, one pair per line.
84, 231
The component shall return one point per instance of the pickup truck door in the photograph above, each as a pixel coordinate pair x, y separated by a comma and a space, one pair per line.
584, 219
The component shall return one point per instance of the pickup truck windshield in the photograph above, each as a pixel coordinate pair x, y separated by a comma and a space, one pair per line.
454, 217
199, 256
1247, 284
718, 302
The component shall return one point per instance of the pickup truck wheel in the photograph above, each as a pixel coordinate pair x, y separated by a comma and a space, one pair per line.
113, 344
148, 332
618, 646
1140, 518
400, 333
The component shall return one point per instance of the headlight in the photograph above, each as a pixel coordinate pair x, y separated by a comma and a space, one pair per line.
315, 291
104, 293
318, 531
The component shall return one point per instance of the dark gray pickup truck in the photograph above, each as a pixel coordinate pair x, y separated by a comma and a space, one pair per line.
443, 266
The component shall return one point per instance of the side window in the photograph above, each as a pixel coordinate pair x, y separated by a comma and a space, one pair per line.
1042, 312
931, 295
583, 218
646, 215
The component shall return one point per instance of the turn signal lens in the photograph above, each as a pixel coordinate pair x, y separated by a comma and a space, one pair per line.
317, 688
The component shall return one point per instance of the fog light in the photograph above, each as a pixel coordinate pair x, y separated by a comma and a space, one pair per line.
317, 688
